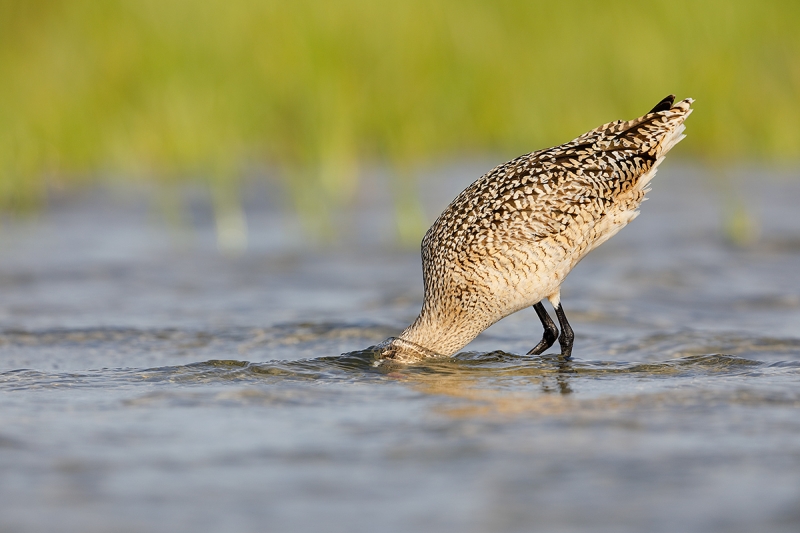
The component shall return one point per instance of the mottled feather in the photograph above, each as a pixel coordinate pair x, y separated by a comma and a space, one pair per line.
509, 239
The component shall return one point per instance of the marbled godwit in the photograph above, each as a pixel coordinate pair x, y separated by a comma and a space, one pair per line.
508, 240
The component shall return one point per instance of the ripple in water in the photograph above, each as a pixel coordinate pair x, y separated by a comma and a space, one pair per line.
494, 373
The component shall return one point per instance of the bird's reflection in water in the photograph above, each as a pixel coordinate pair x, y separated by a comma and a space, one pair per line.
560, 382
497, 382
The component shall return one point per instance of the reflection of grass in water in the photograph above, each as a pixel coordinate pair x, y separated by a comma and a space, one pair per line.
192, 89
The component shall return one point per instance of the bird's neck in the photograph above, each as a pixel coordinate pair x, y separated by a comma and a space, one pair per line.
444, 337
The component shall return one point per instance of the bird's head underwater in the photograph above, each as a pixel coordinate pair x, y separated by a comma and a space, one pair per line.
403, 351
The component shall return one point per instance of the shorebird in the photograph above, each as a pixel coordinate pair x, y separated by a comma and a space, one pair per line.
508, 240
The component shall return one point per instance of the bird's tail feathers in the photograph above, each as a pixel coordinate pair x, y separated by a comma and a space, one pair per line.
676, 115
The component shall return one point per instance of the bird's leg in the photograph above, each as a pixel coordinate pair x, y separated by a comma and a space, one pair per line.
550, 331
566, 338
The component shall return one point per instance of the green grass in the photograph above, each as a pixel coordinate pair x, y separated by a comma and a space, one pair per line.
170, 90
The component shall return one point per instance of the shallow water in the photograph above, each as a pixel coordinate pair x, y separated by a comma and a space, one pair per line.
148, 383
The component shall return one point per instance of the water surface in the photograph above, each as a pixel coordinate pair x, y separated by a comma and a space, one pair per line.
148, 383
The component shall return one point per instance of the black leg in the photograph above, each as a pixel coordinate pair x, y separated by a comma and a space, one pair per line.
550, 331
566, 338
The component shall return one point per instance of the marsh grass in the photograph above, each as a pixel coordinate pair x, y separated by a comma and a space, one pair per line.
169, 90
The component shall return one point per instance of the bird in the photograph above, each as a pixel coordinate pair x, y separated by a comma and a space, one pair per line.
508, 241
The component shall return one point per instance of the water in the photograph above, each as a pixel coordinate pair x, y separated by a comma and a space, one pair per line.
148, 383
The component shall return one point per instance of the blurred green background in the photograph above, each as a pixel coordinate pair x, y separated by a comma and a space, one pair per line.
174, 90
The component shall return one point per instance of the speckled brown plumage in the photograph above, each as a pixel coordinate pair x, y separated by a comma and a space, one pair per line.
509, 239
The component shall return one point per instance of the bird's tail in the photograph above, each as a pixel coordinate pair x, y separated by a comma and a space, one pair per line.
650, 136
672, 122
660, 130
654, 133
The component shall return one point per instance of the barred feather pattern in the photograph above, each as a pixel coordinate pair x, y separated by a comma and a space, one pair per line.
509, 239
